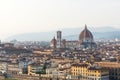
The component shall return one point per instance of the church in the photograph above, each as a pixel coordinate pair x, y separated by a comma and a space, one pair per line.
85, 41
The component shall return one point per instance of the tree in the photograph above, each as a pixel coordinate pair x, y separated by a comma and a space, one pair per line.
42, 71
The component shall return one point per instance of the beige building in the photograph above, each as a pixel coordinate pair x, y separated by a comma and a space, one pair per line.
86, 72
46, 51
35, 68
13, 69
113, 67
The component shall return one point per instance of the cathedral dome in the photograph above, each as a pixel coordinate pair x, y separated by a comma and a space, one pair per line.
86, 35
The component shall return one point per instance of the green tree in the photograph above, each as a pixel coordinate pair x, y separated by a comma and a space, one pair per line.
42, 71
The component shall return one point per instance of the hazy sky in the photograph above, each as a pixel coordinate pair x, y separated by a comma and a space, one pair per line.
22, 16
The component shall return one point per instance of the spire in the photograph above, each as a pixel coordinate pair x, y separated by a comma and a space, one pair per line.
85, 26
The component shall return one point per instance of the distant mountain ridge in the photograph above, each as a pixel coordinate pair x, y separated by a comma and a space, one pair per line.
97, 35
69, 34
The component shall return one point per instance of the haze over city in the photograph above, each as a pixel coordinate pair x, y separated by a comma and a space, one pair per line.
59, 39
24, 16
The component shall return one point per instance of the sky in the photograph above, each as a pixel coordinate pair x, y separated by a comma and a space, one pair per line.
25, 16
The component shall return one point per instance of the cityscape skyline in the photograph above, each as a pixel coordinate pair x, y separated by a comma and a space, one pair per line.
61, 59
22, 16
59, 40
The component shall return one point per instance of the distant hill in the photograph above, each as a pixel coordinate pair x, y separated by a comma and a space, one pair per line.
69, 34
97, 35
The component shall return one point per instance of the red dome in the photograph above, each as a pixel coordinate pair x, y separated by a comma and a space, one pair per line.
85, 34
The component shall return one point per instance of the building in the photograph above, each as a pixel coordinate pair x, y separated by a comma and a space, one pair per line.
35, 68
13, 69
53, 43
59, 38
113, 67
24, 66
44, 51
8, 45
72, 44
64, 43
86, 39
3, 67
87, 72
